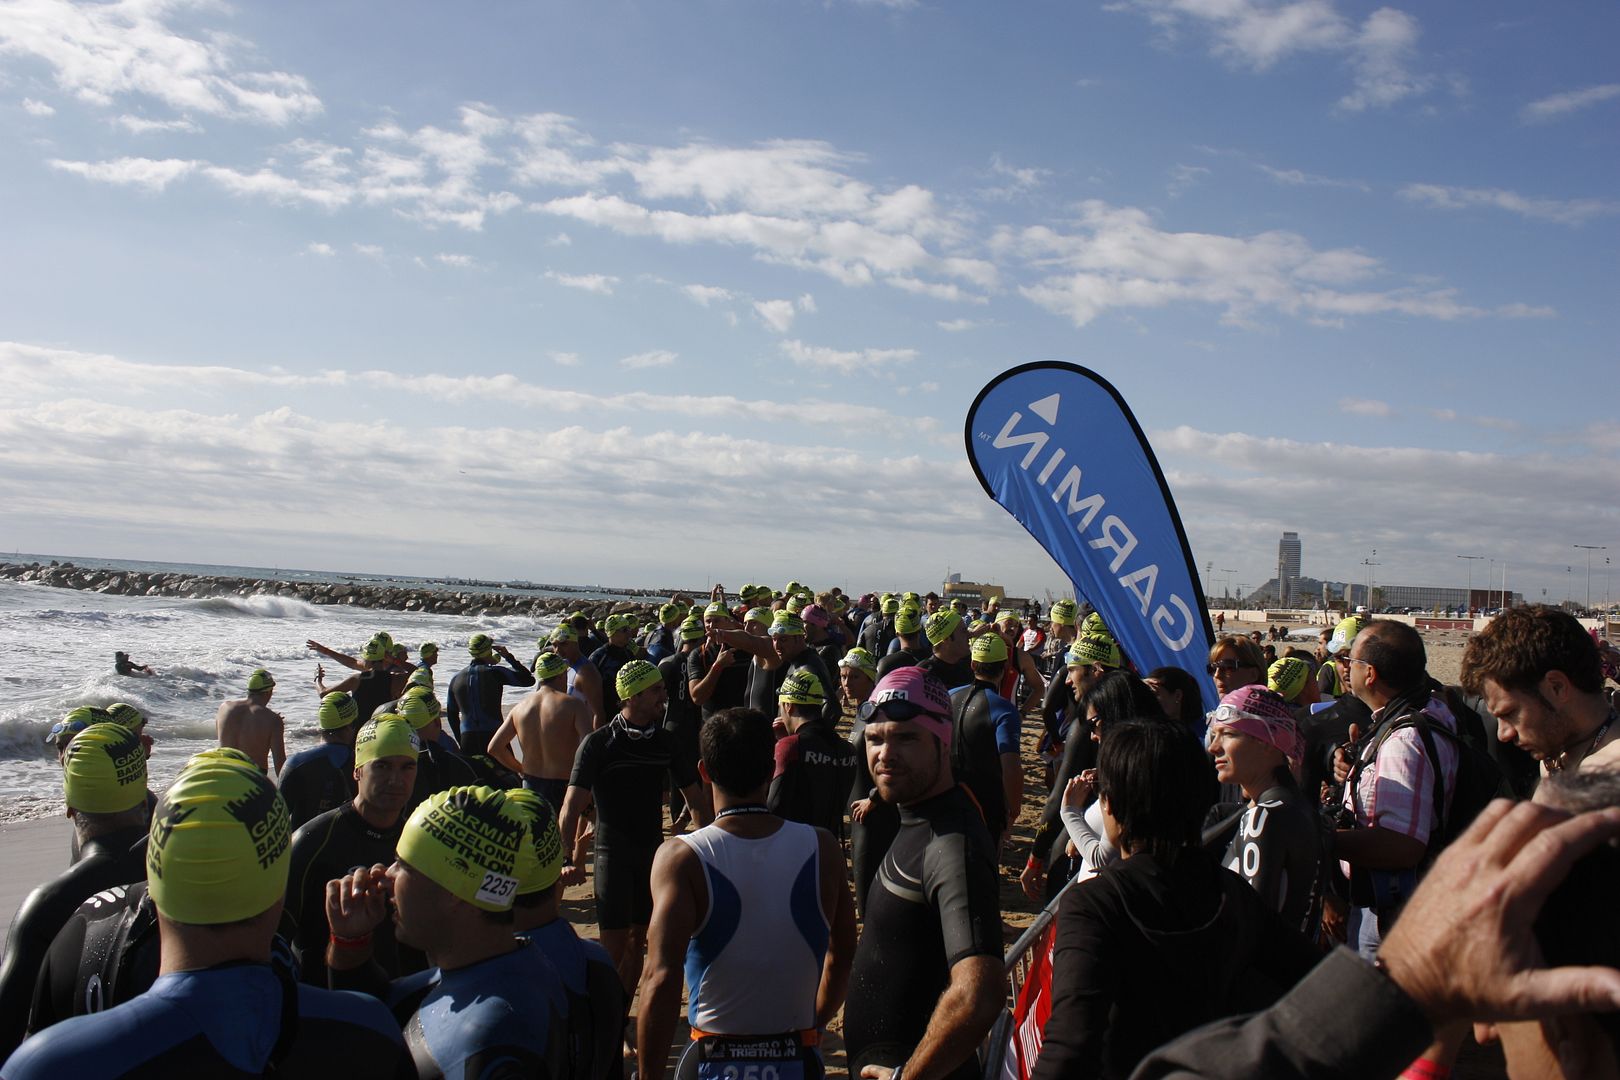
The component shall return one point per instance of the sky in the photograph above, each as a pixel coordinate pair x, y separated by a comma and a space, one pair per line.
657, 293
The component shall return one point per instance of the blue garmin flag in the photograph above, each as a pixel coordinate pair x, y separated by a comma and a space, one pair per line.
1058, 448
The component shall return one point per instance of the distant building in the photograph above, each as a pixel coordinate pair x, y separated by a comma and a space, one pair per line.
1288, 552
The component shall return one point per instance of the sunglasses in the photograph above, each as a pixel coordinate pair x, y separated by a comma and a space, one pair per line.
1225, 665
66, 727
894, 709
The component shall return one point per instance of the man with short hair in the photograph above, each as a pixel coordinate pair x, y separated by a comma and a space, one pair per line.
1542, 678
620, 769
216, 870
985, 734
321, 778
927, 981
248, 724
491, 1005
474, 704
778, 877
1390, 777
104, 787
548, 726
361, 832
814, 766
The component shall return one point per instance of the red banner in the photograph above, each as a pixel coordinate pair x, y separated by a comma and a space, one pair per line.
1030, 1011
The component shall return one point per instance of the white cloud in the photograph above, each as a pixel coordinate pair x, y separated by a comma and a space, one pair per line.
461, 262
1364, 407
807, 303
370, 251
140, 125
1013, 181
655, 358
1299, 178
565, 359
146, 173
595, 283
846, 361
1258, 35
1184, 178
325, 251
1556, 106
37, 108
776, 314
707, 294
1119, 259
562, 239
957, 326
1560, 211
103, 52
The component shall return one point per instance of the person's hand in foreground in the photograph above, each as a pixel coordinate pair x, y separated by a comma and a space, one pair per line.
1464, 948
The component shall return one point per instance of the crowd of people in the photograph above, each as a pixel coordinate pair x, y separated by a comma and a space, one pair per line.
793, 804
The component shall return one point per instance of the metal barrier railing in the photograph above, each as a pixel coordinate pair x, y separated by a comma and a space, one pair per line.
1016, 964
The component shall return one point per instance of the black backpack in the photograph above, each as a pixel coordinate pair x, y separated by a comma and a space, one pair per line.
1479, 779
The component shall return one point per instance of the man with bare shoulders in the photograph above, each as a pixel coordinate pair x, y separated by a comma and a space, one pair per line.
248, 725
584, 681
548, 725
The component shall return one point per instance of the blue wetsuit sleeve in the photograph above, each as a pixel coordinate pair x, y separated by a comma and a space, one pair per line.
1009, 726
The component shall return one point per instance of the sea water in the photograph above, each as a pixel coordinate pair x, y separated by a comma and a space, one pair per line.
56, 653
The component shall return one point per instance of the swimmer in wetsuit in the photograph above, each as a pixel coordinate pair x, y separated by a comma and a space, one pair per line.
473, 705
814, 767
378, 678
123, 665
491, 1005
933, 916
548, 726
104, 786
361, 833
322, 778
620, 769
218, 867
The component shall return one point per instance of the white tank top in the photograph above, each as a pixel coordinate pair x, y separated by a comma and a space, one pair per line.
754, 963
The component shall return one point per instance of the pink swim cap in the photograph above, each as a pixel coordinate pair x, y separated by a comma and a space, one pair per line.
910, 693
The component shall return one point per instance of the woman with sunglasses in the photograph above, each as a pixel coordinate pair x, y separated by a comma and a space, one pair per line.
1236, 661
1277, 845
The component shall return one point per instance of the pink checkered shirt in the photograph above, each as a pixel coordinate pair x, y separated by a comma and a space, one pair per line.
1395, 790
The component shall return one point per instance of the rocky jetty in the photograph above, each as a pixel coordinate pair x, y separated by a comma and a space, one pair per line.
64, 575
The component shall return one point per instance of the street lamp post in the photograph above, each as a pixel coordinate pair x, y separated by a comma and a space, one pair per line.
1468, 597
1369, 564
1589, 548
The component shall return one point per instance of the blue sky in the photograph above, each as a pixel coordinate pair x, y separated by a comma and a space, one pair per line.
663, 293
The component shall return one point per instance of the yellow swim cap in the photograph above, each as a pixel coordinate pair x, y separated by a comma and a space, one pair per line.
759, 615
861, 660
1094, 625
940, 625
540, 858
548, 665
419, 708
1095, 649
420, 677
1064, 612
692, 628
125, 715
989, 648
338, 710
104, 770
230, 755
634, 677
259, 681
388, 735
908, 621
561, 634
786, 624
802, 688
1287, 676
467, 840
429, 648
480, 646
1345, 633
218, 851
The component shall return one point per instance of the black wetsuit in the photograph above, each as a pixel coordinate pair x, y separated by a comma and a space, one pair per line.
732, 689
1280, 848
682, 719
375, 686
597, 1003
316, 780
329, 847
222, 1022
977, 712
115, 858
763, 684
876, 633
935, 902
439, 768
624, 770
895, 660
107, 954
472, 708
952, 675
814, 772
607, 661
502, 1017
